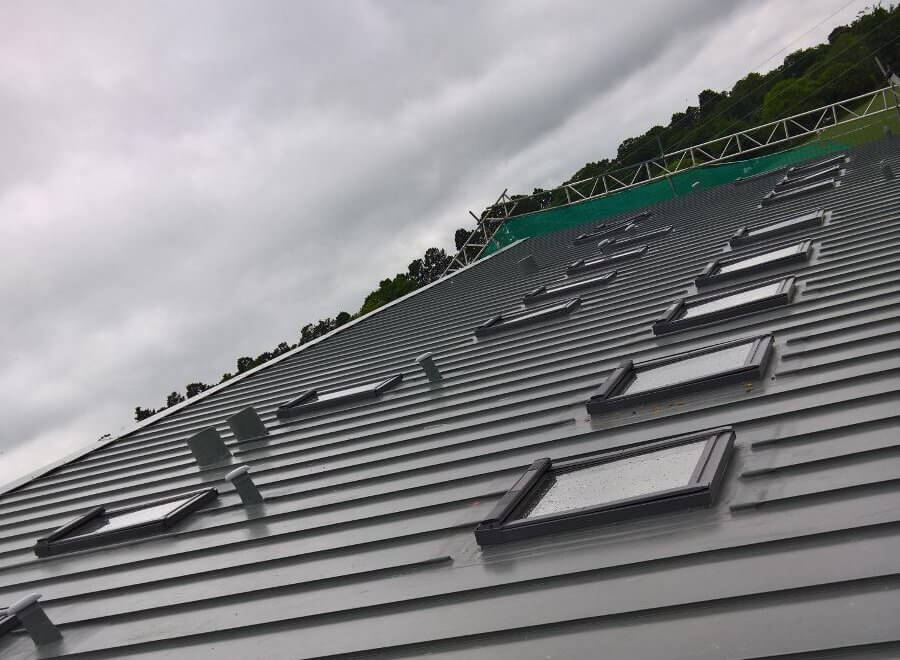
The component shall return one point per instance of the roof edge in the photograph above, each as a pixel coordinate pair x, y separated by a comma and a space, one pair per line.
84, 451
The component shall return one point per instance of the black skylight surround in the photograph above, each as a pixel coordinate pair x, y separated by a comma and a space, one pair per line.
509, 320
691, 312
633, 383
568, 287
791, 193
584, 265
312, 400
732, 267
98, 527
656, 477
602, 231
746, 235
612, 243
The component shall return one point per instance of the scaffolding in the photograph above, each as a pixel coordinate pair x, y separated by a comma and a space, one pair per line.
668, 165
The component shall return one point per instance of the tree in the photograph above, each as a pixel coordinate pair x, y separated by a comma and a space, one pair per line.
173, 399
193, 389
460, 237
388, 290
789, 97
141, 414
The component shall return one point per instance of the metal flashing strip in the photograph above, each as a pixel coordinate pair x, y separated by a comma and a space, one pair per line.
517, 515
94, 446
624, 387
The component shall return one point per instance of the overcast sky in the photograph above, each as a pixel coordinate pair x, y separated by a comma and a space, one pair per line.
183, 183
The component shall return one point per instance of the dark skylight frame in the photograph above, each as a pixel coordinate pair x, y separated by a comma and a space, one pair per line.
749, 358
585, 265
726, 268
98, 527
312, 400
762, 296
747, 235
791, 193
510, 519
517, 319
568, 286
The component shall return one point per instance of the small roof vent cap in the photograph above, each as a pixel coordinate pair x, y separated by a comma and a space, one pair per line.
243, 484
247, 425
426, 361
35, 621
208, 447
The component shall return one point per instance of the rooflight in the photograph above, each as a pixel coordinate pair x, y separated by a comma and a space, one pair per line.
98, 527
544, 292
583, 265
506, 321
791, 193
602, 231
748, 234
794, 181
691, 312
312, 400
632, 383
801, 169
637, 238
730, 267
656, 477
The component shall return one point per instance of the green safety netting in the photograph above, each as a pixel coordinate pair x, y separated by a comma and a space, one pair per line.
539, 223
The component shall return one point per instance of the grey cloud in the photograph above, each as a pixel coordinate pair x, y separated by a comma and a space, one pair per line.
186, 183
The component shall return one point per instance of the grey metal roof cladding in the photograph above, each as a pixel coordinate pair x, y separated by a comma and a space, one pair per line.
365, 543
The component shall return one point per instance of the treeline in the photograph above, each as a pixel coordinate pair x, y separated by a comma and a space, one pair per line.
808, 78
420, 272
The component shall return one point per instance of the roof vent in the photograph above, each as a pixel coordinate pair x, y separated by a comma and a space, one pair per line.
246, 425
35, 621
426, 361
208, 448
886, 171
529, 265
243, 484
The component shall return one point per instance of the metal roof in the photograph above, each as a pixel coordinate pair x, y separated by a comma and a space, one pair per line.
364, 545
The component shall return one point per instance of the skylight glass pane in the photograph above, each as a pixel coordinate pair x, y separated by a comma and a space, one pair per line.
730, 301
784, 224
533, 314
693, 368
634, 476
759, 259
116, 521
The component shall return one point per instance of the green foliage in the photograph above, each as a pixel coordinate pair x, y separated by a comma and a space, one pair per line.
787, 97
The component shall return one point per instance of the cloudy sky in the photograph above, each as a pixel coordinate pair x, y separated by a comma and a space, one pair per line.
183, 183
